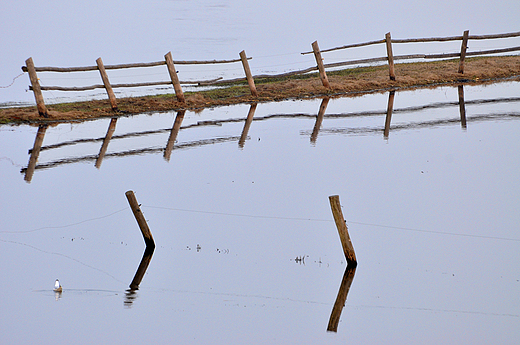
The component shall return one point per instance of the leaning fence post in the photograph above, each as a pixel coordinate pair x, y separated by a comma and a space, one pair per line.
175, 79
391, 72
106, 82
348, 249
249, 76
463, 48
319, 61
33, 77
147, 234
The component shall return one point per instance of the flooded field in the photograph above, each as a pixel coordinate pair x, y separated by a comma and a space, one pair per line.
246, 247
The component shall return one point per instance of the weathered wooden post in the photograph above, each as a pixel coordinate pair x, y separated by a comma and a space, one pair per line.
391, 72
147, 234
348, 249
249, 76
319, 61
463, 48
247, 124
173, 76
106, 82
33, 77
389, 110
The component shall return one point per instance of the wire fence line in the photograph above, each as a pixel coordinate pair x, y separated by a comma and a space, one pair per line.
258, 216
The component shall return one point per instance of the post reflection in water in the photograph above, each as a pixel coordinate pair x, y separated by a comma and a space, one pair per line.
173, 134
247, 124
319, 119
38, 141
344, 288
131, 293
106, 141
462, 107
389, 110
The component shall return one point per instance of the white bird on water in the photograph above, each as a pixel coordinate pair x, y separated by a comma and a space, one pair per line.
57, 286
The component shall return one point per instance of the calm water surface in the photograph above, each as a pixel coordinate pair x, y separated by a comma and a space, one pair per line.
247, 251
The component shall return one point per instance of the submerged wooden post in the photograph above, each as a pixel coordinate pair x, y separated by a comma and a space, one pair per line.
33, 77
348, 249
463, 48
391, 72
175, 79
106, 82
147, 234
389, 110
249, 76
319, 61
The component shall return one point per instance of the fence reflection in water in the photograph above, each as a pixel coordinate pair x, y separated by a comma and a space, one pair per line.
172, 142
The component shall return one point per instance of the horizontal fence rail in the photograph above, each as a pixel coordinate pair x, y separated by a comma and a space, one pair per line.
320, 66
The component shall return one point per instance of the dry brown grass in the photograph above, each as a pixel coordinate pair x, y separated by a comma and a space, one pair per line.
349, 82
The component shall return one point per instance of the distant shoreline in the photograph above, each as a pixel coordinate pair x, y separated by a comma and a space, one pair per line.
344, 83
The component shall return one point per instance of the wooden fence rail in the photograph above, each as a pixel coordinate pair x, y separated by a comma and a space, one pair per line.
320, 66
391, 58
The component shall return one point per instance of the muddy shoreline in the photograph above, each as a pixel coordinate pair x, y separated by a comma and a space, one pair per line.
345, 83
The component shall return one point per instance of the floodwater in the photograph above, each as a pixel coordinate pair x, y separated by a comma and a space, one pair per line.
246, 247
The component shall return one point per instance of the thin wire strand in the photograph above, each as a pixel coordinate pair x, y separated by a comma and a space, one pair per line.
62, 255
330, 220
14, 79
63, 226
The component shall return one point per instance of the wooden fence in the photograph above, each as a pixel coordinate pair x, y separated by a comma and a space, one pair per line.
168, 61
388, 41
321, 67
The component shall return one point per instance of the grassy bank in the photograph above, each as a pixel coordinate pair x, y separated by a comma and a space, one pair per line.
348, 82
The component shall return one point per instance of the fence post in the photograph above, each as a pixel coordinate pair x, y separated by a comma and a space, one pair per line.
141, 221
463, 49
33, 77
388, 39
319, 61
348, 249
106, 82
174, 78
249, 76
